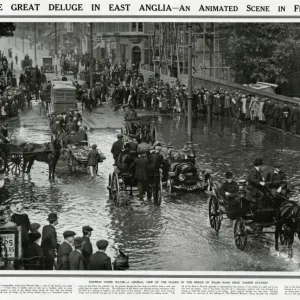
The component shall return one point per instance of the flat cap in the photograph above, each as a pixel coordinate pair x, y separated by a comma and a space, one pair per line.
78, 241
52, 217
34, 226
87, 228
102, 244
33, 236
68, 233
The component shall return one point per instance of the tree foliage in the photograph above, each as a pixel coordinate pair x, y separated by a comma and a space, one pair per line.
263, 51
7, 29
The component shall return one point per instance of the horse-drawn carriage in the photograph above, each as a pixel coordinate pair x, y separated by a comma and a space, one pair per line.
78, 157
11, 158
139, 130
68, 66
26, 63
251, 217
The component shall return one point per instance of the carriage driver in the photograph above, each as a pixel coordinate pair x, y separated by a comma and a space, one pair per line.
229, 189
276, 181
256, 184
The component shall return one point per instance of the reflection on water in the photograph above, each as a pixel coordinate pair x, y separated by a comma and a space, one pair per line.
175, 236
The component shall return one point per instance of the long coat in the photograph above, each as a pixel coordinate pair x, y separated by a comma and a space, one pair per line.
254, 180
140, 168
93, 157
77, 261
63, 256
117, 148
100, 261
49, 243
87, 249
35, 257
155, 161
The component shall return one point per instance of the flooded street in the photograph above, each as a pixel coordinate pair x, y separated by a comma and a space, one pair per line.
176, 235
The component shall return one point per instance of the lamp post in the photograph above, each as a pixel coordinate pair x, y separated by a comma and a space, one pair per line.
35, 58
91, 53
55, 50
190, 87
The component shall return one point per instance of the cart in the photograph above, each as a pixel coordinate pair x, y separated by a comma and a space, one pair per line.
12, 156
48, 64
78, 157
124, 183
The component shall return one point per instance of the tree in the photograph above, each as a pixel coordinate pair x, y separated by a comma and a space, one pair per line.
263, 51
7, 29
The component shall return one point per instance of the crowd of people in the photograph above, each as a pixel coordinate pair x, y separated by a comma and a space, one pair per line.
41, 248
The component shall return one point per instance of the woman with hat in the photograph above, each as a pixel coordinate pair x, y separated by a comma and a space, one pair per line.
93, 159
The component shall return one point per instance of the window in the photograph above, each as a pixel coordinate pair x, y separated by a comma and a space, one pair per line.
133, 26
140, 27
69, 27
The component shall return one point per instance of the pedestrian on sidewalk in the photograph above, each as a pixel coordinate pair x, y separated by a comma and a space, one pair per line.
87, 249
93, 159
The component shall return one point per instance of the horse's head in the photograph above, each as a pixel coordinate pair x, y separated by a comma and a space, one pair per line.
121, 262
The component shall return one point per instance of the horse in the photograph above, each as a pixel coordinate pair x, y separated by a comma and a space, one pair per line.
48, 153
287, 224
121, 262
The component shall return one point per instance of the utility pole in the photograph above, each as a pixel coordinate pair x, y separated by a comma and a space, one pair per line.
35, 58
55, 50
91, 62
190, 86
23, 37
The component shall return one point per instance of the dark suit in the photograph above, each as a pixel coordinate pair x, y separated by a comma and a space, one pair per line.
140, 166
35, 257
49, 245
254, 186
100, 261
87, 249
77, 261
64, 251
117, 148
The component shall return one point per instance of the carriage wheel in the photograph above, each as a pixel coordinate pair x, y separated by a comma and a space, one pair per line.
115, 189
213, 213
109, 186
16, 163
240, 234
170, 187
284, 238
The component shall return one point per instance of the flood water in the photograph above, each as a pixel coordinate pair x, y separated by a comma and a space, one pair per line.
176, 235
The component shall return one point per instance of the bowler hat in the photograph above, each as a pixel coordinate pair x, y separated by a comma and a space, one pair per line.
33, 236
34, 226
102, 244
78, 241
87, 228
68, 233
52, 217
277, 165
229, 175
258, 162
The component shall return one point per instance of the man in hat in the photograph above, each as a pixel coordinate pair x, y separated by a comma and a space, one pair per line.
87, 248
49, 241
34, 227
34, 259
93, 159
276, 181
77, 260
133, 144
117, 147
100, 261
143, 146
64, 250
139, 167
256, 183
229, 189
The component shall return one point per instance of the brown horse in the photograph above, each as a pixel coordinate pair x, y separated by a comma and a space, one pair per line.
287, 224
48, 153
